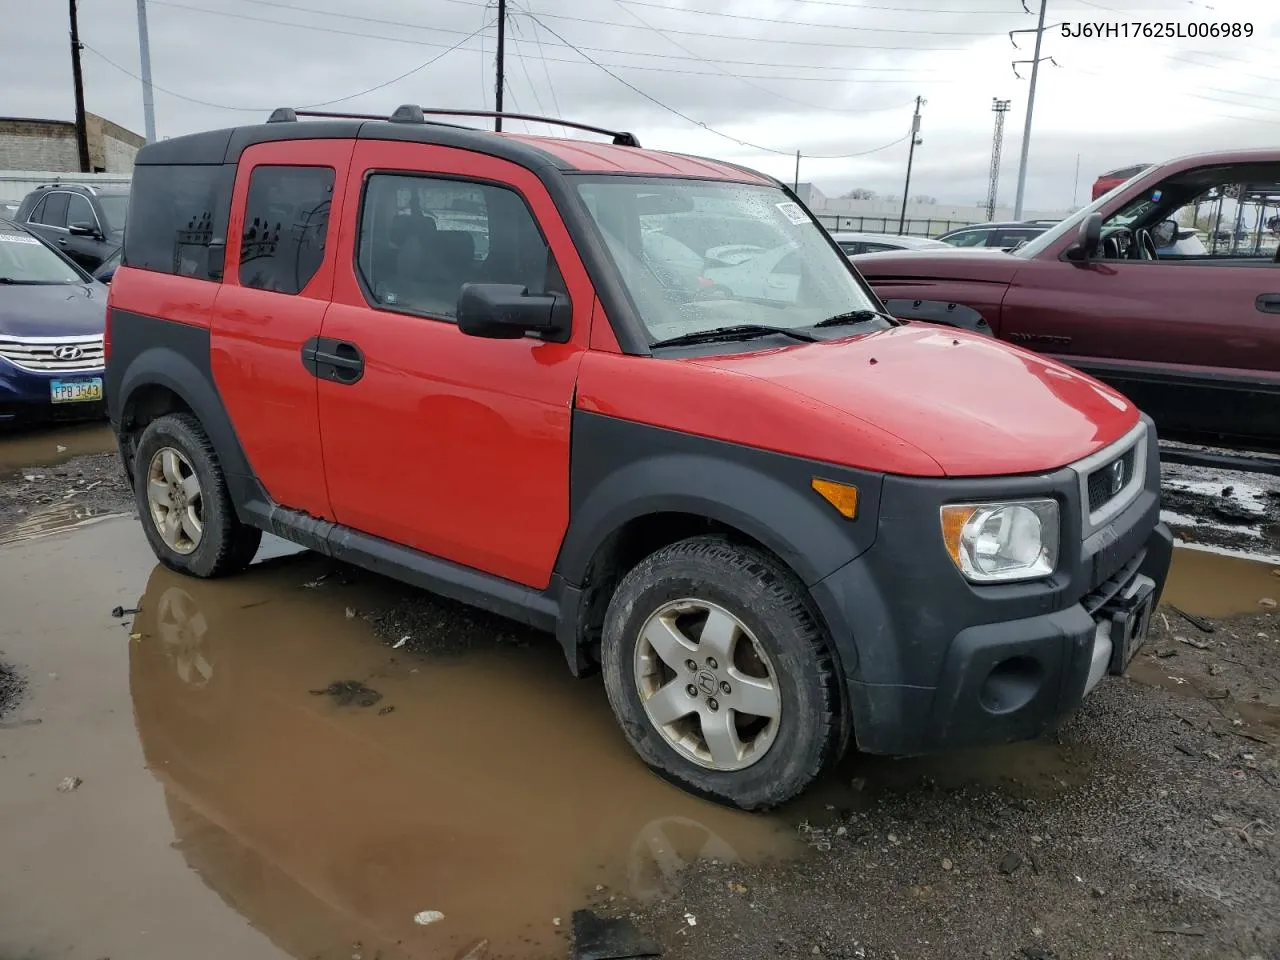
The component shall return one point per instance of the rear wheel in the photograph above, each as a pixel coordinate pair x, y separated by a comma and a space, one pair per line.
721, 674
183, 500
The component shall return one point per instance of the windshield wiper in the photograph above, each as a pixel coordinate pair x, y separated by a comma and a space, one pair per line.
739, 331
854, 316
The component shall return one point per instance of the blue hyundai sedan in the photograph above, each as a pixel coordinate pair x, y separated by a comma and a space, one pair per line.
52, 320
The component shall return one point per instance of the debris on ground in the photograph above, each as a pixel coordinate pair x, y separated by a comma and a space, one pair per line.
385, 710
67, 784
348, 693
119, 612
11, 686
426, 917
605, 938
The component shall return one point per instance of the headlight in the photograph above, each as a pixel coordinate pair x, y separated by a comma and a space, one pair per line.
1000, 542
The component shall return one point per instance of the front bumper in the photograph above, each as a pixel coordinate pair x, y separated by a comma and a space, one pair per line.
934, 662
26, 396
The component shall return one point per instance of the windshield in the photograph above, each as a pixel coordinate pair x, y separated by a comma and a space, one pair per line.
115, 207
699, 255
1072, 223
24, 259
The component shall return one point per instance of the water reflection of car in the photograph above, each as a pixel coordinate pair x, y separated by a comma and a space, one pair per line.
771, 275
52, 318
678, 265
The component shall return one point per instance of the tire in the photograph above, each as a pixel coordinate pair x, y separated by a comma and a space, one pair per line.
772, 608
224, 545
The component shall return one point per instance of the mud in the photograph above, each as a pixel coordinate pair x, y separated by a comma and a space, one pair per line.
298, 761
61, 472
497, 792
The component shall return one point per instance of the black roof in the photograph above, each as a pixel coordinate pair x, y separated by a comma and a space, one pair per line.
408, 124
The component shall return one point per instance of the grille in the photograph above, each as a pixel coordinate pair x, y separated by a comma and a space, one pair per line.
53, 354
1108, 481
1102, 593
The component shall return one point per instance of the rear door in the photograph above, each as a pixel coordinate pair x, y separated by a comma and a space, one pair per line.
275, 291
49, 218
453, 445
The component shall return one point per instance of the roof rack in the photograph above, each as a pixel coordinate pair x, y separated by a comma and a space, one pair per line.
412, 113
59, 183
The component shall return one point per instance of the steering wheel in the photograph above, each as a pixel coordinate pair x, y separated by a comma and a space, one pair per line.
1145, 246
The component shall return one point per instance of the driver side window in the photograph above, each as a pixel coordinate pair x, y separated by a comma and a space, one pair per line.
1226, 216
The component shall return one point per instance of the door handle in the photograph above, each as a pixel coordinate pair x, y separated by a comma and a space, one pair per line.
335, 360
1268, 303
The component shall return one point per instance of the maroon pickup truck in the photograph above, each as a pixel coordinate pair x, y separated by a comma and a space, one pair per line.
1187, 326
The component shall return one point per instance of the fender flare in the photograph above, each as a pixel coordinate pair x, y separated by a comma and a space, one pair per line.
940, 311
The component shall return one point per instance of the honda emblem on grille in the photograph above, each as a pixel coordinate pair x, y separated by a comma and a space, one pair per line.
1117, 477
68, 352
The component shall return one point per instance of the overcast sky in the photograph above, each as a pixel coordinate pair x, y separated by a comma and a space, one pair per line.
831, 78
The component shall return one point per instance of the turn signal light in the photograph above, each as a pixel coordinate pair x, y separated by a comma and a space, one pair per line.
842, 496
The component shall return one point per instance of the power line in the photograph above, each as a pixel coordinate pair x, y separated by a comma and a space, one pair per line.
799, 23
699, 123
309, 106
427, 43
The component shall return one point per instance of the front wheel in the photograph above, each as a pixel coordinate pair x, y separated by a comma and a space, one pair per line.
721, 674
184, 503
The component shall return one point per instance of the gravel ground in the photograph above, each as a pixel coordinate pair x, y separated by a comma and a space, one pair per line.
1159, 814
95, 483
11, 685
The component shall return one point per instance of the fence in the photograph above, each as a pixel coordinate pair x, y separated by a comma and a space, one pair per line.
910, 227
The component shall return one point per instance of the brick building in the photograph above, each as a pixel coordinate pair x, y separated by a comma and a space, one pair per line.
50, 145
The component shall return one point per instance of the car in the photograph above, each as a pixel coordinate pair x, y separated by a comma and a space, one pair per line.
86, 222
52, 319
857, 243
776, 528
1189, 333
106, 270
766, 275
1005, 236
8, 209
1113, 178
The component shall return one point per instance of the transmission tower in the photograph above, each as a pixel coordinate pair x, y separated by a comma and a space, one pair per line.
999, 108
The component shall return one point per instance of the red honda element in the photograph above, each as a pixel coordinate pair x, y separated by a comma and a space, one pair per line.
776, 518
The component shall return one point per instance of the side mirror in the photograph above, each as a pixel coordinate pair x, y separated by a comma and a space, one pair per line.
1165, 233
83, 229
1087, 238
508, 311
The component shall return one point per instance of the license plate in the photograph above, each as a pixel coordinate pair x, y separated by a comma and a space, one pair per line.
76, 391
1129, 626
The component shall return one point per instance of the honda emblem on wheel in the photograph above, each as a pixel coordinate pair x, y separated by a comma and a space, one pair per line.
68, 352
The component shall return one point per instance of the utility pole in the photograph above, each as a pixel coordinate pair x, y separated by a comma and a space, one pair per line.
82, 132
796, 188
144, 51
1000, 108
911, 152
502, 46
1031, 103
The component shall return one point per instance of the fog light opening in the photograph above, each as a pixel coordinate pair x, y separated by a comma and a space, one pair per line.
1011, 685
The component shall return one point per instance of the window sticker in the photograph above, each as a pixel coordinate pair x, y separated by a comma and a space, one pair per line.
792, 211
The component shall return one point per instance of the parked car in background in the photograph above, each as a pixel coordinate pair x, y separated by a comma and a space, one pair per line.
52, 316
86, 222
1113, 178
1190, 334
1005, 236
8, 209
770, 276
106, 270
857, 243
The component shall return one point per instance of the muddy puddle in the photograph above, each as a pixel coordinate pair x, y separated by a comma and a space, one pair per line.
52, 446
1212, 584
261, 777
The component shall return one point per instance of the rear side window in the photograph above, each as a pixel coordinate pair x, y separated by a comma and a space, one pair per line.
178, 219
53, 212
286, 222
421, 239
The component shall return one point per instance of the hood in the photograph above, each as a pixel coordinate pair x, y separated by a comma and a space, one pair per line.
975, 405
52, 309
959, 263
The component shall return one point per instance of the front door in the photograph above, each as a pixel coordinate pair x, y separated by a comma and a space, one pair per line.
453, 445
1193, 335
